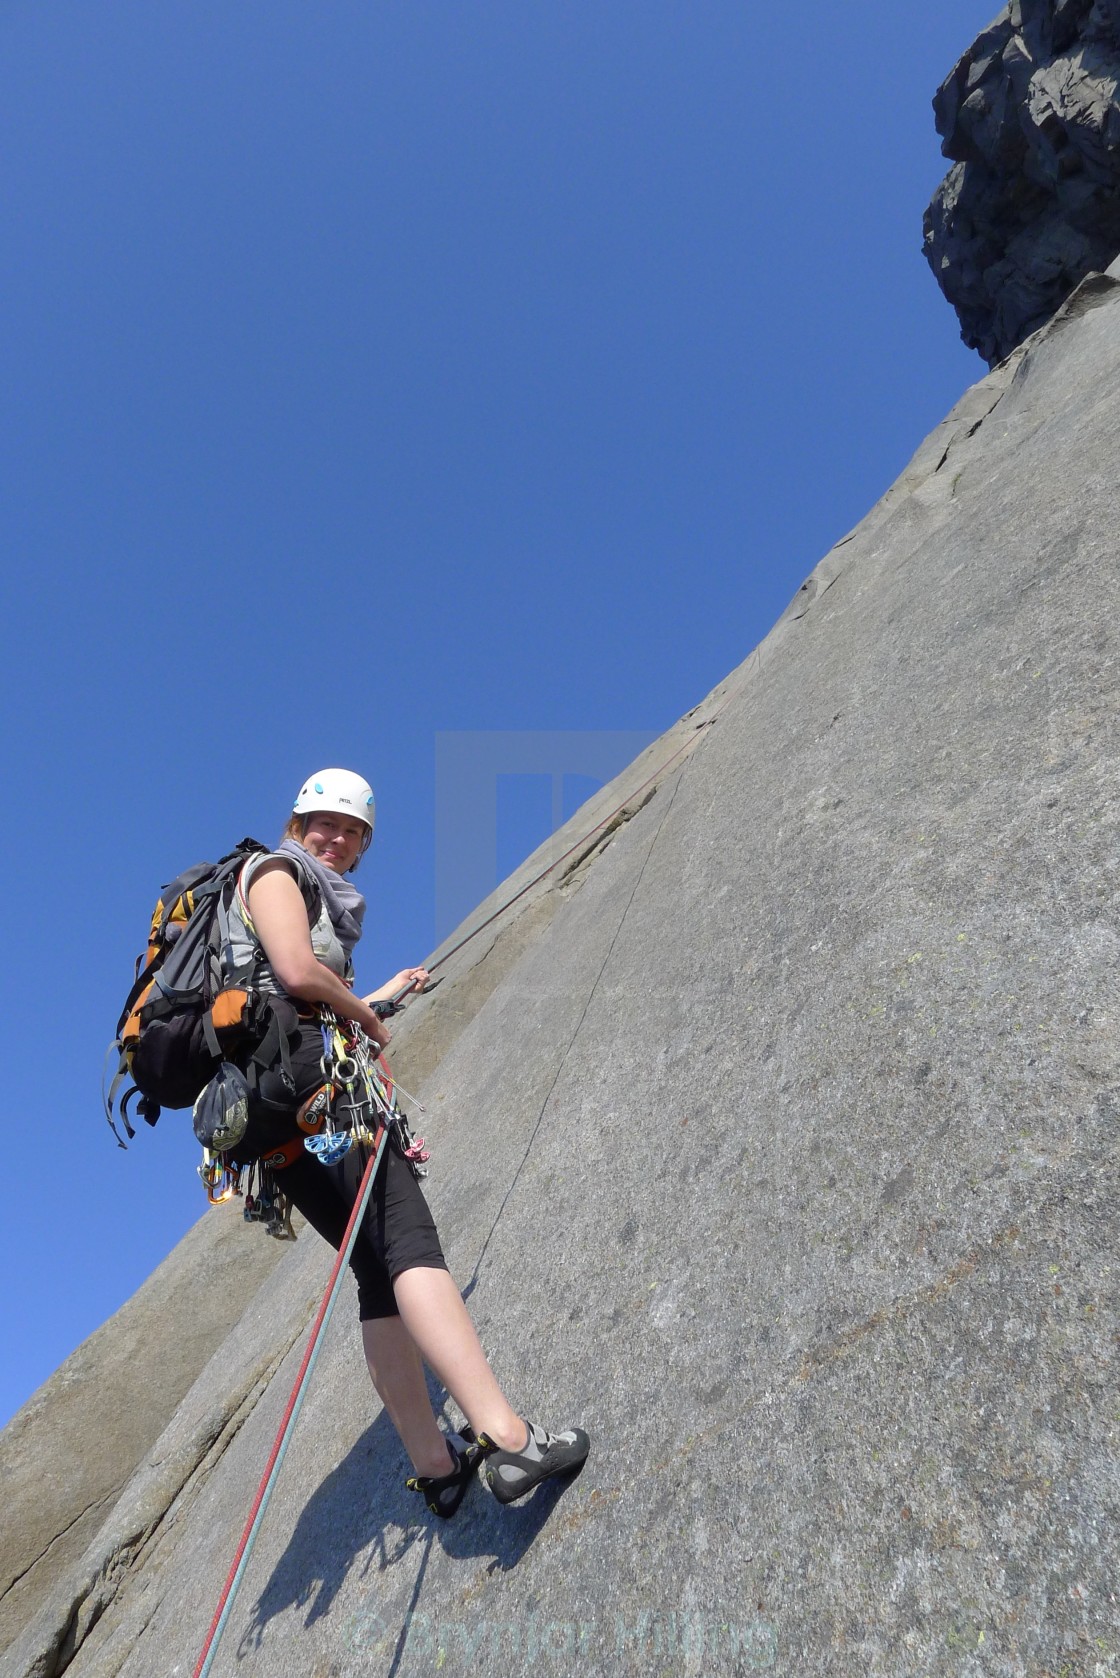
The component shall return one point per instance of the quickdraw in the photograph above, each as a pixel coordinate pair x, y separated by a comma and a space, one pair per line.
413, 1148
265, 1203
217, 1178
362, 1093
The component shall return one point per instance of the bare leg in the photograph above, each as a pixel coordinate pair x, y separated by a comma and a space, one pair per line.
398, 1374
441, 1330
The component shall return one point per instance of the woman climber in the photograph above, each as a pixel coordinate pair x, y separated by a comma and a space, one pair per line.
296, 918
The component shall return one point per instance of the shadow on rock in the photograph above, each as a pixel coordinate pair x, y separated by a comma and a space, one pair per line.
363, 1509
481, 1527
362, 1502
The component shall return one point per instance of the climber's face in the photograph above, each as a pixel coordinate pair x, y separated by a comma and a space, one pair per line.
335, 840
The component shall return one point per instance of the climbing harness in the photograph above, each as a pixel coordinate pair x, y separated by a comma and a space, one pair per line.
357, 1090
358, 1097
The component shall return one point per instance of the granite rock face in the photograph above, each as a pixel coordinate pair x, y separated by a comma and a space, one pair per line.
1031, 117
69, 1451
775, 1142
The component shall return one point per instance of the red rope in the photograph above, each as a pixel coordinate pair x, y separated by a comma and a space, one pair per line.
279, 1443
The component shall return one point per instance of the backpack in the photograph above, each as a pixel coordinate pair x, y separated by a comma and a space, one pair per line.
188, 1010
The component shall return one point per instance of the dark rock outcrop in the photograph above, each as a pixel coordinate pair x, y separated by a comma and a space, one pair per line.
1031, 117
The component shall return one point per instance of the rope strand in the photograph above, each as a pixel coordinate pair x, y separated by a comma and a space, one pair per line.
288, 1421
607, 819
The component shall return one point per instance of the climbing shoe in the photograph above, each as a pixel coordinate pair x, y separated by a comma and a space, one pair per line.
510, 1474
443, 1493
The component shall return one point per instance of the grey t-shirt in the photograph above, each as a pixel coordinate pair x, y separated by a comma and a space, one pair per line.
244, 942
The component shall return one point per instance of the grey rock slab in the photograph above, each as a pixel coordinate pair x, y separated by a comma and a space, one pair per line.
144, 1523
781, 1154
66, 1455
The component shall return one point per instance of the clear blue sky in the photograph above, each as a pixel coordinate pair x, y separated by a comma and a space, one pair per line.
377, 370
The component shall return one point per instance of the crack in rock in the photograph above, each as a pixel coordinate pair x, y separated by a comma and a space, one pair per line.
601, 840
98, 1503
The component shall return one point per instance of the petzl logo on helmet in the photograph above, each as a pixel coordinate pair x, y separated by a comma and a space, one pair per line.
340, 790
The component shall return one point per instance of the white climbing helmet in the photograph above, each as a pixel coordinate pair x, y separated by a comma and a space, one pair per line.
340, 790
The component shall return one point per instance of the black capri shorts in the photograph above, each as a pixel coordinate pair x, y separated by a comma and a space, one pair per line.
398, 1231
